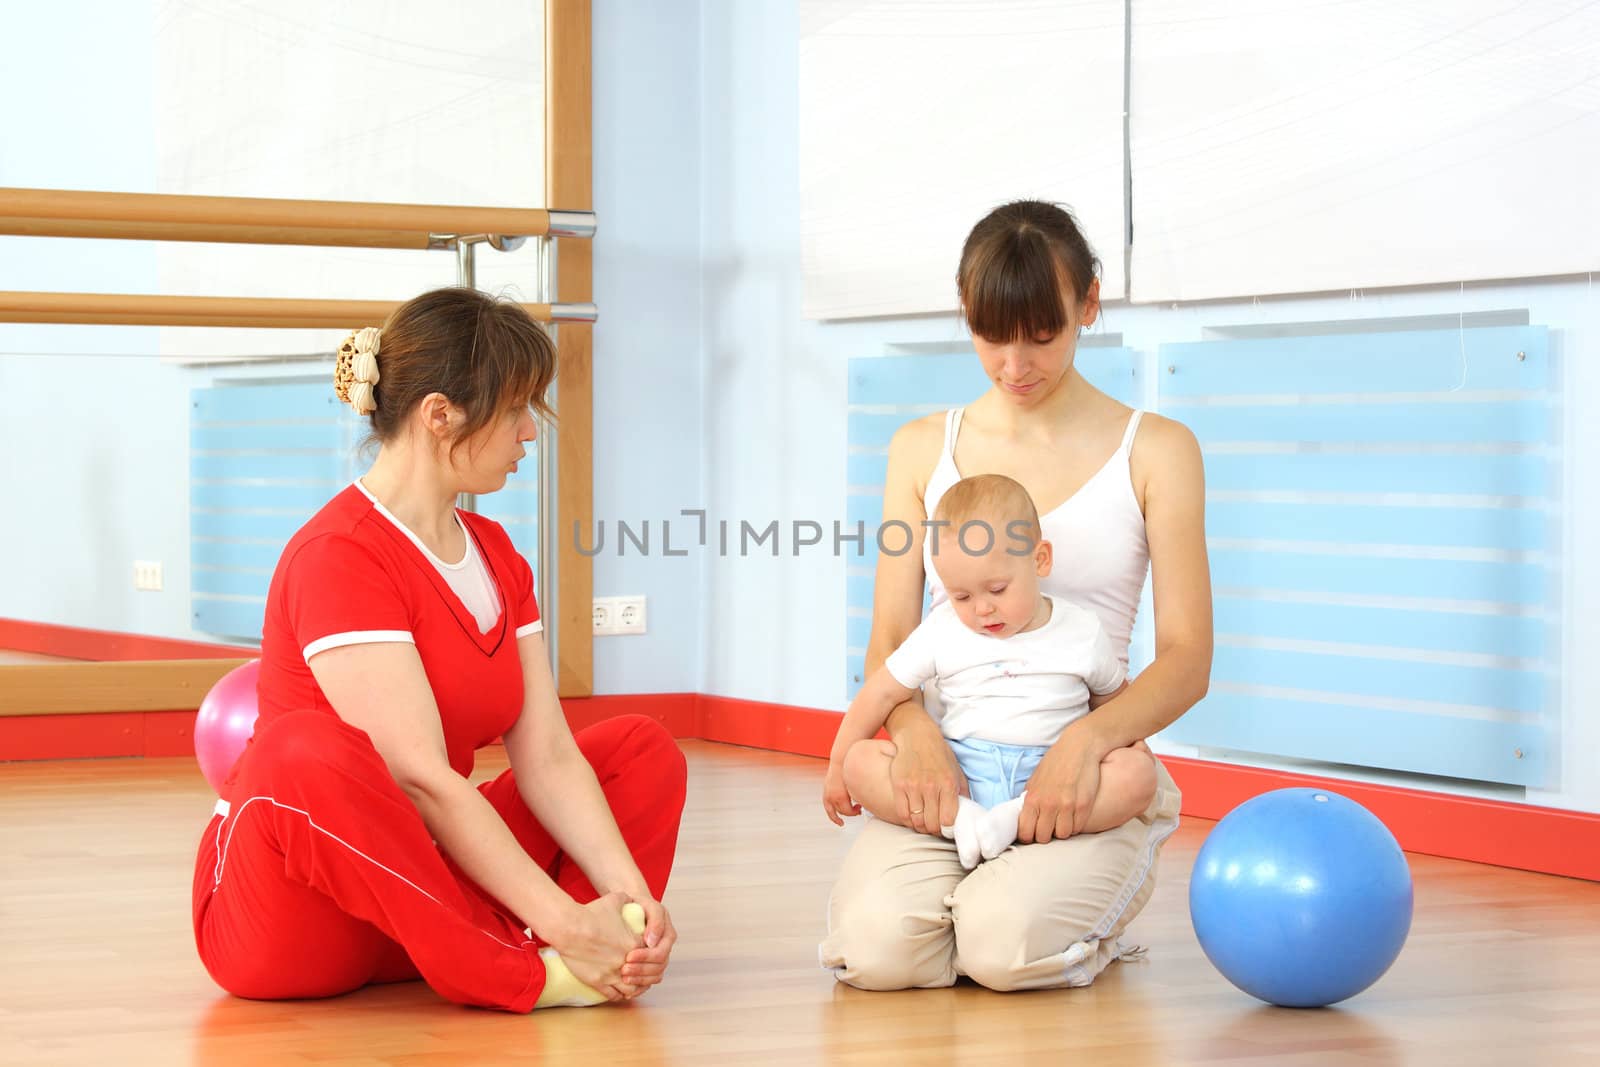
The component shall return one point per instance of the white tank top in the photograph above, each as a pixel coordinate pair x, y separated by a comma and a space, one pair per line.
1097, 537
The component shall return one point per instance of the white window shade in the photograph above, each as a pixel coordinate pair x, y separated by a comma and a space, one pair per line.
1306, 147
917, 119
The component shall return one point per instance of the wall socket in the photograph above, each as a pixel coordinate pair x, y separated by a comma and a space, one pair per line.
618, 615
147, 575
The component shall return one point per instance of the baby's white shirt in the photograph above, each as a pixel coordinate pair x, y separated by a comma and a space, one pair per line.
1018, 690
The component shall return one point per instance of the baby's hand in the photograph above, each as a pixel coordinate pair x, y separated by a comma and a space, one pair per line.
835, 797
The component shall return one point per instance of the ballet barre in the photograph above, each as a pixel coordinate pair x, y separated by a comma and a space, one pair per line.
253, 220
142, 310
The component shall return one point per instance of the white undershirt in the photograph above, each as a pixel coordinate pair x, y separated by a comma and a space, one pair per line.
469, 578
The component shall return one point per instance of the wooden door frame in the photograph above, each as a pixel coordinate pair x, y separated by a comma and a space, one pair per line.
569, 185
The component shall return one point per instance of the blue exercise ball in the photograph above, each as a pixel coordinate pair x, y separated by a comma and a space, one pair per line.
1301, 897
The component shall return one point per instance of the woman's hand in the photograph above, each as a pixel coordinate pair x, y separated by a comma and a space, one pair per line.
835, 797
645, 966
595, 944
924, 773
1061, 791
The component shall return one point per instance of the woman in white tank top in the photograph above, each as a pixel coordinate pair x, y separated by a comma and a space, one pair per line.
1118, 495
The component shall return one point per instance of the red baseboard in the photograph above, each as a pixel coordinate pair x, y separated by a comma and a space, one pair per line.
97, 735
1546, 840
675, 711
778, 727
775, 727
1529, 838
74, 642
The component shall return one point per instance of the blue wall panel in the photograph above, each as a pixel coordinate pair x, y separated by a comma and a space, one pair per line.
230, 581
256, 401
1373, 737
1444, 422
308, 436
867, 469
858, 630
233, 618
330, 469
1518, 637
234, 496
516, 507
1506, 583
235, 552
264, 457
1519, 691
243, 525
1511, 529
1465, 474
1401, 364
1381, 516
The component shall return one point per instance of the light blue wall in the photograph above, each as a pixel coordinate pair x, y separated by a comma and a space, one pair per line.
775, 431
647, 362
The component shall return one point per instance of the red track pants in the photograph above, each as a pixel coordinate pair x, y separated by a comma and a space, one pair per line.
322, 878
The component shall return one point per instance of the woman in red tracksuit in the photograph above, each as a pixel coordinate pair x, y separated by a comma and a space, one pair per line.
401, 635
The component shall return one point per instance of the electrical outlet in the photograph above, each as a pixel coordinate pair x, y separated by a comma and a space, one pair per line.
630, 615
147, 575
615, 616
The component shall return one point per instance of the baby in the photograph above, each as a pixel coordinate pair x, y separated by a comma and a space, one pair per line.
1013, 666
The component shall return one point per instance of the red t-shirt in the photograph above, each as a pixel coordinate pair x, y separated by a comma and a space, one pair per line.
351, 576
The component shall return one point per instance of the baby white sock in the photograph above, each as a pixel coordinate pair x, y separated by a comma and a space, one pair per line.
997, 830
969, 815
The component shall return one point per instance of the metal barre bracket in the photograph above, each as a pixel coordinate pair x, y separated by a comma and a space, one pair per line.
562, 224
576, 312
571, 223
498, 242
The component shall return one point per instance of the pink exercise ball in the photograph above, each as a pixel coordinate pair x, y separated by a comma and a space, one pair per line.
227, 719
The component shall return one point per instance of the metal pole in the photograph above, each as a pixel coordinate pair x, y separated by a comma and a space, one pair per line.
549, 518
466, 263
467, 278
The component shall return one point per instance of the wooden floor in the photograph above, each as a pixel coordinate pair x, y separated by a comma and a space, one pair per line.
97, 963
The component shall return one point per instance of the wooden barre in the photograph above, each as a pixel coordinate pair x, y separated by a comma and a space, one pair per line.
251, 220
134, 685
139, 310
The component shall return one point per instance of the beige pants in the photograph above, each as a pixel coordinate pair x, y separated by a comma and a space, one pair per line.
904, 914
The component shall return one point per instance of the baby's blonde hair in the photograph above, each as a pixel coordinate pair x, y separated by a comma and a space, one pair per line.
993, 499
